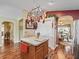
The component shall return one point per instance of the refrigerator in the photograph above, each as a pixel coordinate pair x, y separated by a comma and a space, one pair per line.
76, 39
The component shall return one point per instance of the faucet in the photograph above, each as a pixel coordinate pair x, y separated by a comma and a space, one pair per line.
38, 34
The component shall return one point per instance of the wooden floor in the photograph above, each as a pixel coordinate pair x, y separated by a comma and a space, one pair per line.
12, 51
60, 54
77, 52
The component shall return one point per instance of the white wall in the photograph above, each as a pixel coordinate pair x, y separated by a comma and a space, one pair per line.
47, 31
16, 30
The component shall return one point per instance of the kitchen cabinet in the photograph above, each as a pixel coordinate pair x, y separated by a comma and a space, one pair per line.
35, 52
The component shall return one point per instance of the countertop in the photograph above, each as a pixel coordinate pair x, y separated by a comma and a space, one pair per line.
34, 41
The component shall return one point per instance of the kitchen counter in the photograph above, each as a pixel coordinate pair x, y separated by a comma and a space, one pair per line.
34, 41
37, 48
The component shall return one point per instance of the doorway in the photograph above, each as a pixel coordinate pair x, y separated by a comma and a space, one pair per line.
65, 32
65, 27
7, 33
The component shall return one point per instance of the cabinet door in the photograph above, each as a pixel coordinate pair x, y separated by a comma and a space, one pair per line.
45, 49
39, 53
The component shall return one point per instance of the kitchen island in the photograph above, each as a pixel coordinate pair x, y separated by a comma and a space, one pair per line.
35, 48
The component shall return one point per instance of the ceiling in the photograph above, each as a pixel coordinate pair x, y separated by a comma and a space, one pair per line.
13, 8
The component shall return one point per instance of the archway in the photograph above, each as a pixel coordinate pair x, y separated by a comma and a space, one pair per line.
65, 27
7, 33
66, 31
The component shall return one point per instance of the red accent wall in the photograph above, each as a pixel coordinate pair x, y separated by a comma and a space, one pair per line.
73, 13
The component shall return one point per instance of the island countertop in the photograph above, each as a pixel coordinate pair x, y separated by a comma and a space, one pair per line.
34, 41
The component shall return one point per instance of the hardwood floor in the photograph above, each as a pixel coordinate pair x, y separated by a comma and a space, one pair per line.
13, 52
10, 52
59, 53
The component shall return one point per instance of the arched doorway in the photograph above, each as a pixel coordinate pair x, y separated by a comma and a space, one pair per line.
7, 33
65, 27
66, 31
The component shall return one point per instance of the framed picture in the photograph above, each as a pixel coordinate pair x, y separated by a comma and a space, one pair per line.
30, 24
